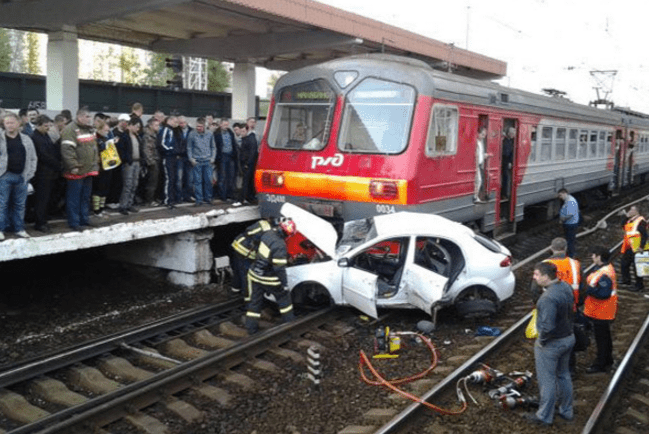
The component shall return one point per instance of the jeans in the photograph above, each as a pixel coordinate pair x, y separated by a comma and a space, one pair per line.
77, 201
227, 176
131, 178
172, 167
13, 196
187, 183
202, 176
553, 376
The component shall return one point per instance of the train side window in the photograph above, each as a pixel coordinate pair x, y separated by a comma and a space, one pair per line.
592, 142
609, 143
583, 144
560, 144
572, 145
533, 145
601, 144
546, 144
443, 131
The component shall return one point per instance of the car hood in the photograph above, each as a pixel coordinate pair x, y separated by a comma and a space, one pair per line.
319, 231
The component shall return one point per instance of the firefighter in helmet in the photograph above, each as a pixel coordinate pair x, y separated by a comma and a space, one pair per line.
244, 254
268, 275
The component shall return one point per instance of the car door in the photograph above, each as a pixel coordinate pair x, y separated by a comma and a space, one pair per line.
426, 275
360, 278
359, 290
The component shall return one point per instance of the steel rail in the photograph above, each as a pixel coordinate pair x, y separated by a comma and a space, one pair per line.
602, 409
110, 407
103, 345
397, 421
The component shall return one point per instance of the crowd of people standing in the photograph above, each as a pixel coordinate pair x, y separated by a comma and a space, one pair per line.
83, 165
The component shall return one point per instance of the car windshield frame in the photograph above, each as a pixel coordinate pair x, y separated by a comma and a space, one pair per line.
356, 233
377, 116
302, 116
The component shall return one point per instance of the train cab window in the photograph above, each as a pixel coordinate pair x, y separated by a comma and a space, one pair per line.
572, 145
546, 144
583, 144
601, 144
592, 144
560, 144
443, 131
302, 116
376, 117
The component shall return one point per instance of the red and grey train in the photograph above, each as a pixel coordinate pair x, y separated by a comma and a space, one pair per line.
373, 134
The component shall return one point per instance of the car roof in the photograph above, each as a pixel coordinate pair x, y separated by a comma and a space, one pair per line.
412, 223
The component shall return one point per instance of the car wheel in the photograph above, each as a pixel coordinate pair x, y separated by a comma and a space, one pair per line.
476, 308
311, 295
476, 302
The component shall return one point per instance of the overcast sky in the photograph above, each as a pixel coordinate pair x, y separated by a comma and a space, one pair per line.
546, 43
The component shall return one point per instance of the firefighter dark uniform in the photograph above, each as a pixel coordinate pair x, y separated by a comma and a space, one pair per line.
245, 251
268, 275
601, 306
635, 239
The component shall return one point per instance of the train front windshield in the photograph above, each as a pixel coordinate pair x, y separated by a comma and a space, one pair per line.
376, 117
302, 116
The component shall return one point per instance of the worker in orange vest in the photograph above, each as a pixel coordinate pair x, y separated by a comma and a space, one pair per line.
568, 269
600, 307
635, 240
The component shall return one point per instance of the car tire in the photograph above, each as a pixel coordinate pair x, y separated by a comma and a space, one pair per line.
476, 308
312, 295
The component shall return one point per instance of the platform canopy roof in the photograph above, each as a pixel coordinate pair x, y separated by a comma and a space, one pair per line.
277, 34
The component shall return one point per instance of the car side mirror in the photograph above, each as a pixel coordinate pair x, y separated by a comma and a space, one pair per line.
343, 262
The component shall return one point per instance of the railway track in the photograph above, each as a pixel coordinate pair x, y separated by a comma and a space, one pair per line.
229, 383
596, 396
94, 385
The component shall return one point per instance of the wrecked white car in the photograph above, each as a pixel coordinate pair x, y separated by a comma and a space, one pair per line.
401, 260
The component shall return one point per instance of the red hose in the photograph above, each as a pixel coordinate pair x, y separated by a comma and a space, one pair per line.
391, 384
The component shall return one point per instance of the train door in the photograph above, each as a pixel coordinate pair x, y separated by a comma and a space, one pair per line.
481, 186
618, 168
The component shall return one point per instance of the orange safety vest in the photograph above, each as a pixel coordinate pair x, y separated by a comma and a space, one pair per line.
568, 271
631, 235
601, 309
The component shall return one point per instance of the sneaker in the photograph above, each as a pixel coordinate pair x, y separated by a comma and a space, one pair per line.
236, 204
23, 234
123, 211
132, 209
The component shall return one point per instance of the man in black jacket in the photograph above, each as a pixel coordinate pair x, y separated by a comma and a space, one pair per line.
48, 170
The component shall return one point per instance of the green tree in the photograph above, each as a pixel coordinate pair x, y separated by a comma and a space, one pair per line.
129, 65
218, 76
5, 51
157, 72
32, 53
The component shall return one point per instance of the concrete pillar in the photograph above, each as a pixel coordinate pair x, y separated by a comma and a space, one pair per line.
186, 255
243, 91
62, 80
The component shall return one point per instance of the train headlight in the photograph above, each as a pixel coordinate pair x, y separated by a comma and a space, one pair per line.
380, 189
272, 179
